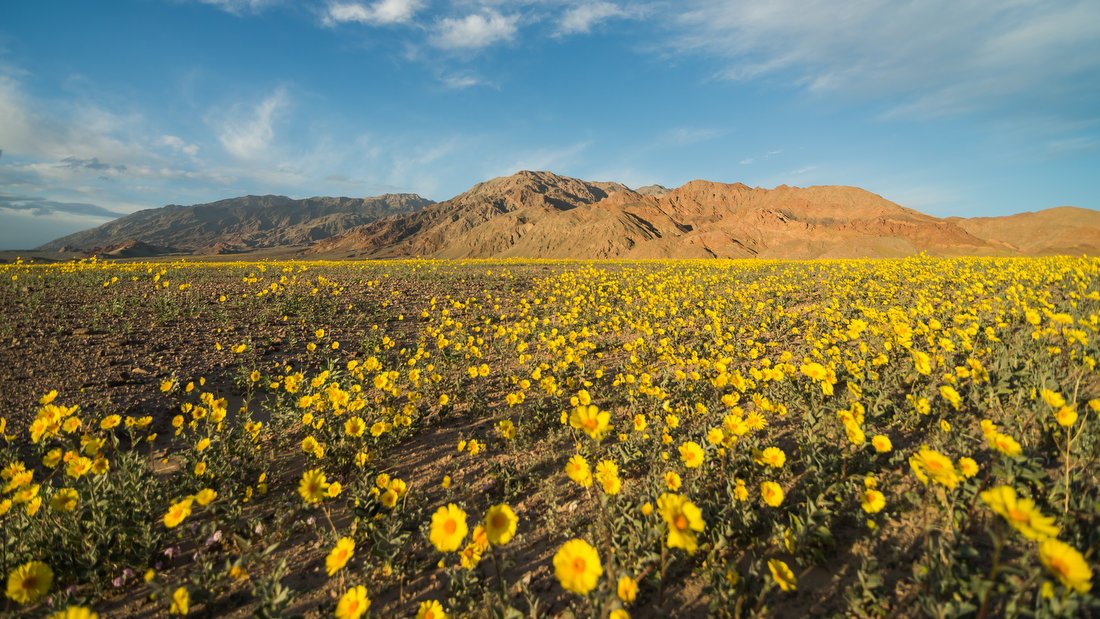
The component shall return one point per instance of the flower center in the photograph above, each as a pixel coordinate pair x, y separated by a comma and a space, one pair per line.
450, 527
498, 521
579, 565
1059, 566
1018, 515
680, 522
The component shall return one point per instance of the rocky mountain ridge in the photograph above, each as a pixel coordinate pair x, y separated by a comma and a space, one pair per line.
241, 224
545, 215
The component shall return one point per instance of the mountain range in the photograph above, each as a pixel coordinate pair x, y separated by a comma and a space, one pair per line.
248, 223
544, 215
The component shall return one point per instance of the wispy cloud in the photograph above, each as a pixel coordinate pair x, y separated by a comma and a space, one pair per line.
475, 31
33, 127
249, 134
76, 163
461, 81
766, 156
178, 144
378, 13
45, 207
580, 19
933, 58
241, 7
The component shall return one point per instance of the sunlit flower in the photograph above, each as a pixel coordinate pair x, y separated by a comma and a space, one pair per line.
500, 524
1066, 416
881, 443
968, 467
64, 500
313, 486
929, 464
692, 454
740, 491
29, 581
577, 566
355, 426
448, 528
772, 456
205, 496
782, 574
873, 501
627, 589
1065, 562
672, 481
78, 467
771, 493
178, 512
577, 470
684, 520
591, 420
1020, 512
1004, 443
431, 609
339, 556
353, 604
74, 612
607, 473
181, 602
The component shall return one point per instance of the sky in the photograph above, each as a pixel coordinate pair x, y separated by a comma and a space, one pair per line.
951, 107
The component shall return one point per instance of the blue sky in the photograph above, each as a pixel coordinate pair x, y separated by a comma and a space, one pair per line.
952, 107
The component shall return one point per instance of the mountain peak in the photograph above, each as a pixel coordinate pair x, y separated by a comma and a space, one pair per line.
541, 189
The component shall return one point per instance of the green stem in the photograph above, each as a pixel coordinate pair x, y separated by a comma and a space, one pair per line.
500, 580
998, 541
661, 585
1069, 441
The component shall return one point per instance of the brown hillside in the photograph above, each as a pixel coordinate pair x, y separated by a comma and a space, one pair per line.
1061, 230
543, 215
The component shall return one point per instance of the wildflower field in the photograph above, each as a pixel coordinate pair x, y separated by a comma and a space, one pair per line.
886, 438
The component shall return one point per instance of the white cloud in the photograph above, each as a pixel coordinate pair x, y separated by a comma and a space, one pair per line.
378, 13
475, 31
929, 58
177, 143
36, 128
460, 82
239, 7
581, 18
251, 136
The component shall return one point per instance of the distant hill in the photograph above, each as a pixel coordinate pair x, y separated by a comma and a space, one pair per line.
239, 224
1059, 230
544, 215
541, 214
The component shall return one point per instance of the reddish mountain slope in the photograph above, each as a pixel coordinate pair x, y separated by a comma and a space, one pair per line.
543, 215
